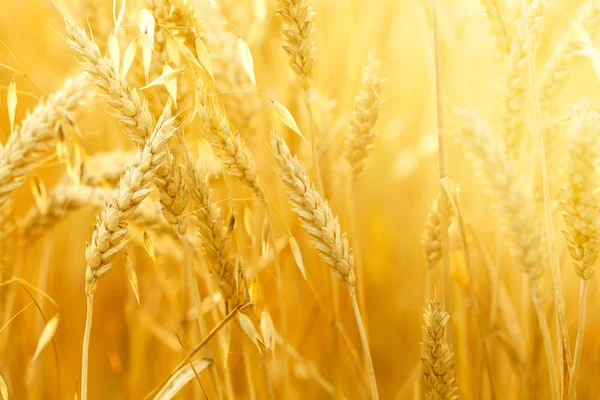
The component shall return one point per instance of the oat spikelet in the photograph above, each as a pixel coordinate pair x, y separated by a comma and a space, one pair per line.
437, 358
567, 51
35, 138
134, 186
580, 196
367, 105
299, 34
512, 202
125, 103
216, 240
315, 214
173, 192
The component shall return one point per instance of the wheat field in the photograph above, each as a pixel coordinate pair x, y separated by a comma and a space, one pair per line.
297, 199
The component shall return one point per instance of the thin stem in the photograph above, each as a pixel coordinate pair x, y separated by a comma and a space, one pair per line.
546, 337
444, 219
579, 342
358, 266
193, 283
86, 346
365, 343
248, 370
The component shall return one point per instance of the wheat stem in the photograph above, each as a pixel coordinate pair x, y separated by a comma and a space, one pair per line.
579, 342
86, 346
193, 283
547, 339
365, 343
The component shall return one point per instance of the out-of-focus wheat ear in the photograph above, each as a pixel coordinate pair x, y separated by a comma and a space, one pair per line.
367, 105
431, 237
299, 34
437, 358
35, 138
579, 200
566, 52
516, 74
499, 25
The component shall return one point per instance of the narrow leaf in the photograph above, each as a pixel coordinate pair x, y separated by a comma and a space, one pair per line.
286, 117
132, 276
204, 57
181, 378
167, 76
129, 56
297, 255
46, 337
245, 56
149, 245
11, 100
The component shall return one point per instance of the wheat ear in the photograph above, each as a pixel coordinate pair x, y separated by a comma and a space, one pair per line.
437, 358
111, 226
514, 208
125, 103
557, 70
318, 220
367, 105
580, 209
216, 240
36, 136
516, 75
